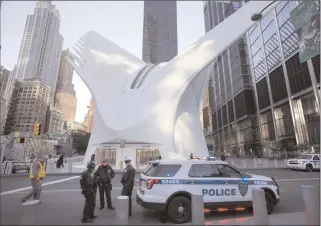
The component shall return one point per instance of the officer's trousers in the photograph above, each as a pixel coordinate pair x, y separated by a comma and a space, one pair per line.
90, 203
35, 192
128, 190
105, 188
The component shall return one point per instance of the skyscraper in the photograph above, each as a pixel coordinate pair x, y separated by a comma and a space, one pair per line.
231, 95
41, 46
65, 97
159, 31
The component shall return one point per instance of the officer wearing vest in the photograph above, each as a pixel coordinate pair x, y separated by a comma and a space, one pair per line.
103, 175
128, 180
89, 189
36, 175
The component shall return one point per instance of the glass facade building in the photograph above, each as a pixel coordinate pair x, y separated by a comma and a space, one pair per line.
274, 105
231, 96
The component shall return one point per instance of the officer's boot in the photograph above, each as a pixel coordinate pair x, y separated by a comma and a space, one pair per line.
102, 206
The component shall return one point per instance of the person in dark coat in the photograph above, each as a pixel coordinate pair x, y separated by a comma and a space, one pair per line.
88, 187
191, 156
128, 180
60, 161
103, 175
223, 157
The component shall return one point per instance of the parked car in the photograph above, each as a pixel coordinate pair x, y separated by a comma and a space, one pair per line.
21, 166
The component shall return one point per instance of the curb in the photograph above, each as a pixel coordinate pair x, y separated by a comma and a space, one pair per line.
137, 172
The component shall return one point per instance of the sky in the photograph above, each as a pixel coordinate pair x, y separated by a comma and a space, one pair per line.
119, 21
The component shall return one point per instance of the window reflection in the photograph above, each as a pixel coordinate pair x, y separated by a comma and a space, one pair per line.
283, 121
259, 65
267, 127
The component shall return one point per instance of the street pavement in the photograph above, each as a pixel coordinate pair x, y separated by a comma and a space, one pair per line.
63, 203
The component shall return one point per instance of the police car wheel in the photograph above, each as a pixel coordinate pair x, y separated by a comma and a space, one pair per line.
308, 168
179, 210
270, 203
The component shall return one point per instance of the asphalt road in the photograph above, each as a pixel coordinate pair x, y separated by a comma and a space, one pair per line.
63, 203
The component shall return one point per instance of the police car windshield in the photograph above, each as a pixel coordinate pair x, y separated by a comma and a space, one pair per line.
163, 170
304, 157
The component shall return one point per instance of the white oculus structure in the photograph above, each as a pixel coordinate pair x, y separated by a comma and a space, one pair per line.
154, 104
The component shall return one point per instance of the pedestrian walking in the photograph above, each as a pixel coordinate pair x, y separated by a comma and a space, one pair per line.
36, 175
88, 187
223, 157
128, 180
103, 175
60, 161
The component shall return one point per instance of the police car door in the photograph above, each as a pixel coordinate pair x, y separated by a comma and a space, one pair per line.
204, 179
234, 189
316, 161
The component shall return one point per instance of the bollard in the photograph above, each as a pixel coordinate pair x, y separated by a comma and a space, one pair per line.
259, 207
70, 167
122, 210
9, 168
275, 163
244, 163
266, 161
29, 212
197, 210
311, 201
254, 163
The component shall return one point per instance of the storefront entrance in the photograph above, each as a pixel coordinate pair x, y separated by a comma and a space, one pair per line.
143, 156
103, 153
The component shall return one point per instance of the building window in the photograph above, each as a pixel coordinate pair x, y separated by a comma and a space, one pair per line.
283, 121
278, 86
299, 76
263, 93
259, 65
267, 127
316, 66
230, 110
289, 37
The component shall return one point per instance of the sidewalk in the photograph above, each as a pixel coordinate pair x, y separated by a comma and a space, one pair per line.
298, 218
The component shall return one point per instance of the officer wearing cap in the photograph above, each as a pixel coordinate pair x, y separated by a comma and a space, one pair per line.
128, 180
89, 189
104, 174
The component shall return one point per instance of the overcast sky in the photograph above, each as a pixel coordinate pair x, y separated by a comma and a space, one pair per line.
119, 21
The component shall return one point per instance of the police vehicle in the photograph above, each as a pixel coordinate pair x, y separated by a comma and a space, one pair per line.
167, 186
307, 162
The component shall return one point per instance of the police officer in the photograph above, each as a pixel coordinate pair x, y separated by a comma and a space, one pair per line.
89, 189
128, 180
104, 174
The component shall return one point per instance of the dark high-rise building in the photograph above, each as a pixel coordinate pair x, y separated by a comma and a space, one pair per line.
231, 96
261, 98
160, 31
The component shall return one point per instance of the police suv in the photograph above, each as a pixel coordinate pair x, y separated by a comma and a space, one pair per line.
167, 186
307, 162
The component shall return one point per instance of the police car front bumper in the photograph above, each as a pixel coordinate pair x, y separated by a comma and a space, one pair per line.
150, 205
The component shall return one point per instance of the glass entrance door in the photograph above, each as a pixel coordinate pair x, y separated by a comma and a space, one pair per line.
143, 156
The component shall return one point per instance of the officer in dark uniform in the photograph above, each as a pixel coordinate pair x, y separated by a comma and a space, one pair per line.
128, 180
89, 188
103, 175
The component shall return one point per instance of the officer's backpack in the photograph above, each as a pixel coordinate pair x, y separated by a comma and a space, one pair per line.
83, 182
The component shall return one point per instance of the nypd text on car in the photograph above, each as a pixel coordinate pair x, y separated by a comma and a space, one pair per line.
167, 186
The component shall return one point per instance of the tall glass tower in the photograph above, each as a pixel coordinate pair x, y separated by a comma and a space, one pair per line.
41, 46
160, 31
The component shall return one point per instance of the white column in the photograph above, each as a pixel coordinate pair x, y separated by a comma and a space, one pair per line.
311, 199
197, 209
122, 210
260, 214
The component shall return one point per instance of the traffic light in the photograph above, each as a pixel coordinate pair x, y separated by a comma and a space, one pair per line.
36, 129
